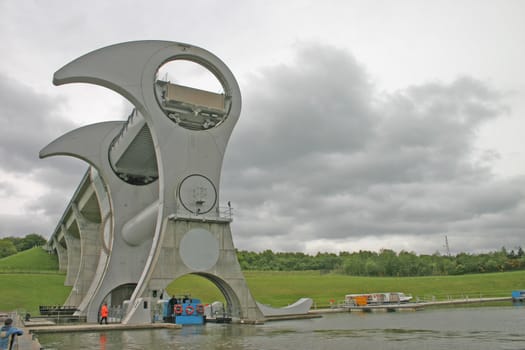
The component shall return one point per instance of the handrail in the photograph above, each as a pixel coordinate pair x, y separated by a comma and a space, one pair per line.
124, 128
225, 212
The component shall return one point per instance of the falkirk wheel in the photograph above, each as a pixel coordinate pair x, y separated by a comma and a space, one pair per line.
160, 173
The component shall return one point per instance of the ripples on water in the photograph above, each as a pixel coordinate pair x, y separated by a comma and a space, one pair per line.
462, 328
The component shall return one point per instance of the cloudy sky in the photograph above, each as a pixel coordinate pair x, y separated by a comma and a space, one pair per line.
365, 124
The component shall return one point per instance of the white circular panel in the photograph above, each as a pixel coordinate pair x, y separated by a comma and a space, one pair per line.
199, 250
197, 194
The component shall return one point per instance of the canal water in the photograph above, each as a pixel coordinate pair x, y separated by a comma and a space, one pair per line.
451, 328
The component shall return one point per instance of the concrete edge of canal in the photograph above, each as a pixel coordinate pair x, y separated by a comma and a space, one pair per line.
29, 340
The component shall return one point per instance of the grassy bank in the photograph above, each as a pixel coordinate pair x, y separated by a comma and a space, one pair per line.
25, 292
283, 288
34, 284
35, 260
29, 279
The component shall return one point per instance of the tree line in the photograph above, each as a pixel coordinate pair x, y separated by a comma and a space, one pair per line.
13, 245
386, 262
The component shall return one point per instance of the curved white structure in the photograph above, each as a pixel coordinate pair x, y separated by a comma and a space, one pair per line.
300, 307
147, 212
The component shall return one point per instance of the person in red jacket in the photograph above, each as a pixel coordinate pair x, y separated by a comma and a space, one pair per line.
104, 313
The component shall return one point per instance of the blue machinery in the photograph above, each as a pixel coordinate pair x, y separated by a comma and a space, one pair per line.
518, 295
183, 311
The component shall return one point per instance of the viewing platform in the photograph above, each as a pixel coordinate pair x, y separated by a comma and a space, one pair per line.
28, 341
95, 327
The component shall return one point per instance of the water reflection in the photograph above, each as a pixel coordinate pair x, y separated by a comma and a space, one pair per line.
102, 341
469, 328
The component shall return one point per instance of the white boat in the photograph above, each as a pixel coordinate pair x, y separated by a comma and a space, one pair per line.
377, 298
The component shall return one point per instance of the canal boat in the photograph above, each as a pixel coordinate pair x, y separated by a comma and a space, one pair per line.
184, 311
518, 295
365, 299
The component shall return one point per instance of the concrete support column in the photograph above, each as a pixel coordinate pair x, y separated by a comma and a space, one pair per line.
90, 247
62, 255
73, 256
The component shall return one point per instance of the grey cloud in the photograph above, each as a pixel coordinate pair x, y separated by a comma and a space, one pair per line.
28, 121
320, 154
22, 224
6, 190
59, 172
50, 205
304, 109
499, 197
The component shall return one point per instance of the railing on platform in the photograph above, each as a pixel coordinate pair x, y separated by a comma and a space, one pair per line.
57, 310
226, 212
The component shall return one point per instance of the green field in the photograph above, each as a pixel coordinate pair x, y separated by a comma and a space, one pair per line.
29, 279
283, 288
25, 292
32, 260
34, 284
